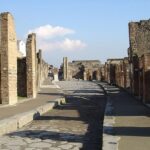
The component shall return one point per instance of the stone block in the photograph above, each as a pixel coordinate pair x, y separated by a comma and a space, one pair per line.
8, 125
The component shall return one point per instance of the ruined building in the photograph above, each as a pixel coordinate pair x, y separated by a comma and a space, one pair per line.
116, 71
139, 56
82, 69
19, 76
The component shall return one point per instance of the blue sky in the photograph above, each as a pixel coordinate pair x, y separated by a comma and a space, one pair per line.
79, 29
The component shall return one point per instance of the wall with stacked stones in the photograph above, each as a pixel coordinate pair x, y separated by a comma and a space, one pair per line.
139, 35
18, 76
8, 57
84, 69
21, 77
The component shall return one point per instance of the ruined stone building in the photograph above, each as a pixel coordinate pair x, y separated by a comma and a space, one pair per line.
116, 71
133, 73
81, 69
139, 56
19, 75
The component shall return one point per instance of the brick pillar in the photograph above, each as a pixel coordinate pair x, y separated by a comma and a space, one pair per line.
85, 75
146, 78
8, 53
135, 76
65, 68
39, 64
31, 65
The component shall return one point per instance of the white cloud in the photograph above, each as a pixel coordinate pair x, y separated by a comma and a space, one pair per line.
65, 45
69, 44
48, 31
48, 39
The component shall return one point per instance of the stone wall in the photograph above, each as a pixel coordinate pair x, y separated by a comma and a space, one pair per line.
8, 54
139, 35
20, 76
144, 78
44, 70
112, 70
37, 68
83, 69
116, 71
126, 70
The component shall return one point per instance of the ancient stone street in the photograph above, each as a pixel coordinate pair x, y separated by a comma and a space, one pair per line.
74, 75
75, 125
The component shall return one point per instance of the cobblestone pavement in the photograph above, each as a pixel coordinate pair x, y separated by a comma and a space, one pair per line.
76, 125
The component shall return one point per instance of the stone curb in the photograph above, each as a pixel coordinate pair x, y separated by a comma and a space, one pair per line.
11, 124
110, 141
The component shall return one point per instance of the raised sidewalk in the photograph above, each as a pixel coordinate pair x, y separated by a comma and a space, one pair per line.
126, 121
15, 116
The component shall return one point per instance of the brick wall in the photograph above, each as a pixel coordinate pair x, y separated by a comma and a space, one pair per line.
21, 77
83, 69
146, 77
8, 53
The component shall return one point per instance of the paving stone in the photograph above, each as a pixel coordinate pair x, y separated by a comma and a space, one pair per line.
68, 126
41, 145
66, 146
29, 149
11, 147
55, 148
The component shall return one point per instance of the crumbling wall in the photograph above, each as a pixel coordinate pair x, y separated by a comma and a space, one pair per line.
126, 70
84, 69
44, 70
146, 77
21, 77
139, 34
139, 37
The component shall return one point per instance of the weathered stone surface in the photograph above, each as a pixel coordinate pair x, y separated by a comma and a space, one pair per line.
8, 57
65, 68
31, 65
8, 125
139, 35
116, 71
21, 77
82, 69
144, 76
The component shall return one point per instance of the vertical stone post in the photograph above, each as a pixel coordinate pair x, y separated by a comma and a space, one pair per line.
55, 71
31, 65
84, 76
65, 68
8, 53
133, 55
146, 78
39, 64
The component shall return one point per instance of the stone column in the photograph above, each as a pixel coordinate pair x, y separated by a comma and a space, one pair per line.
84, 76
8, 53
55, 71
65, 68
39, 64
146, 78
31, 65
